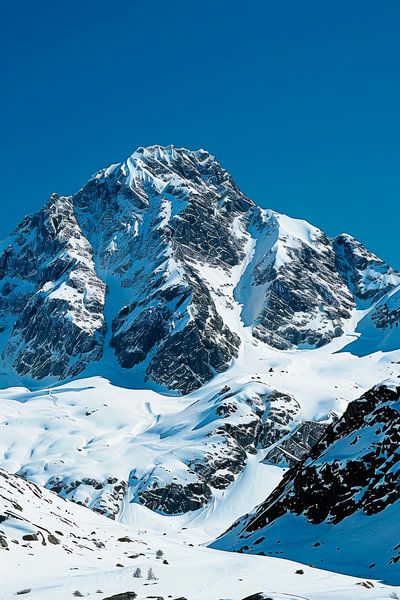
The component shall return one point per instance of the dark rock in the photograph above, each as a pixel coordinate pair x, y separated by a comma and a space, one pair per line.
175, 498
53, 540
122, 596
30, 537
259, 596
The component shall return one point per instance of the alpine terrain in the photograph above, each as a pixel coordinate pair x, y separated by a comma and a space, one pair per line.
195, 392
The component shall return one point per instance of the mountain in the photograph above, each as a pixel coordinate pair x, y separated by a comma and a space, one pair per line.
170, 350
52, 549
154, 268
159, 273
339, 507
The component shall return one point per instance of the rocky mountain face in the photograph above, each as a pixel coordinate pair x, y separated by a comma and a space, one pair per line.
366, 275
134, 233
152, 221
156, 266
347, 484
51, 299
292, 293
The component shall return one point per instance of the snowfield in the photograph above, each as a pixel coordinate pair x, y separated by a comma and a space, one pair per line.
57, 550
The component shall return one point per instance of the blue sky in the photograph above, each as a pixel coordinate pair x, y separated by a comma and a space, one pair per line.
299, 100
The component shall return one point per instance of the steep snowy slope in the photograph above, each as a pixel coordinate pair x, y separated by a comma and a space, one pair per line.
88, 441
340, 507
52, 549
379, 328
292, 294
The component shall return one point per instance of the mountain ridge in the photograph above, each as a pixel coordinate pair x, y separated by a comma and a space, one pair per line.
147, 234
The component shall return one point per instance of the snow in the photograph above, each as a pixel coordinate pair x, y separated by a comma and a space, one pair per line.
373, 275
350, 546
271, 246
371, 336
93, 555
91, 428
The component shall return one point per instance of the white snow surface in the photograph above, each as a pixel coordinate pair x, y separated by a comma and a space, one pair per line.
91, 428
76, 552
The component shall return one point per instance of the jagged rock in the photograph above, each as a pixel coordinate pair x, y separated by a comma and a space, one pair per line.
30, 537
259, 596
320, 488
277, 420
175, 498
54, 303
107, 502
297, 444
367, 276
122, 596
294, 285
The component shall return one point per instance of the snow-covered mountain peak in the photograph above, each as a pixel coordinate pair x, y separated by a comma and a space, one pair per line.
292, 228
367, 276
160, 268
171, 171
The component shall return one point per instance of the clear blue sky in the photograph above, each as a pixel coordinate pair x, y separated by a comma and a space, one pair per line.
298, 99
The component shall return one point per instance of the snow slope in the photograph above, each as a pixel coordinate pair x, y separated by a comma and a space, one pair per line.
103, 446
52, 549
